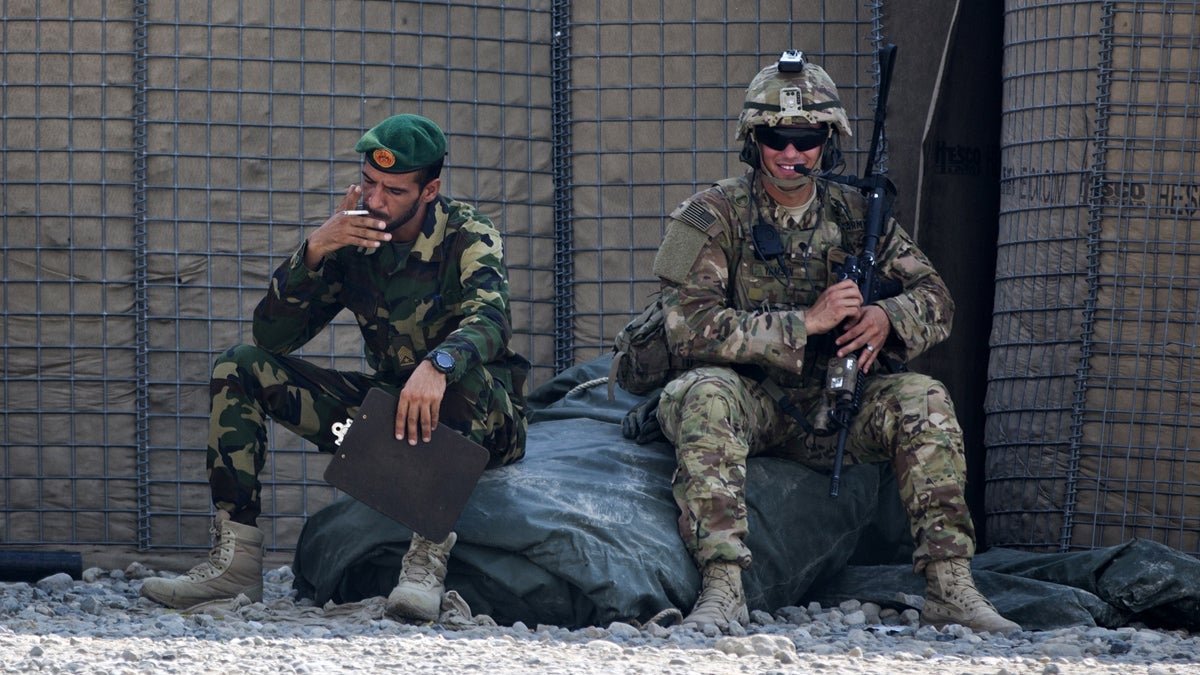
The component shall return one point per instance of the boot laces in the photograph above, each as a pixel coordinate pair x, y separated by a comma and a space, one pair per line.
219, 557
968, 598
719, 600
960, 590
720, 593
420, 564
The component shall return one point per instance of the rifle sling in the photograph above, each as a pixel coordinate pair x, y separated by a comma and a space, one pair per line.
759, 374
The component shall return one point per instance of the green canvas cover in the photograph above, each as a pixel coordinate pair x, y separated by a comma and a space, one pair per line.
583, 532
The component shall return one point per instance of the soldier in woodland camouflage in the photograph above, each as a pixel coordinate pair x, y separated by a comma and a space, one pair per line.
730, 304
424, 276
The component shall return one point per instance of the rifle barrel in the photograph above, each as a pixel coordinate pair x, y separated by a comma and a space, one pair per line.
877, 189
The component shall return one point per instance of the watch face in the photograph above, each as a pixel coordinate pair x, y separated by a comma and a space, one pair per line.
443, 361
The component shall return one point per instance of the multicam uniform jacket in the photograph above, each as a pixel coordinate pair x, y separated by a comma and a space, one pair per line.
725, 305
446, 289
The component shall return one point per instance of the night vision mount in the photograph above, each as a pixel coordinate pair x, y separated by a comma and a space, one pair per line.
791, 61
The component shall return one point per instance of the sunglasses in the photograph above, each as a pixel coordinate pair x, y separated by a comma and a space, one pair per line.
801, 138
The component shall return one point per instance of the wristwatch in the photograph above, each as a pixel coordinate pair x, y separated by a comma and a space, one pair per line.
442, 360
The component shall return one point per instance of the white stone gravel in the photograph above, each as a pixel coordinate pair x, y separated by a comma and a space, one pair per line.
100, 625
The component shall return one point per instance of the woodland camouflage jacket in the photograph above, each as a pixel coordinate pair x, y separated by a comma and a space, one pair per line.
448, 288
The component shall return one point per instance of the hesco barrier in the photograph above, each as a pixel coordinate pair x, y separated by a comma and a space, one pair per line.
1092, 406
160, 159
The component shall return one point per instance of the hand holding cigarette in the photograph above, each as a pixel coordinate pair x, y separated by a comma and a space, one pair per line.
344, 228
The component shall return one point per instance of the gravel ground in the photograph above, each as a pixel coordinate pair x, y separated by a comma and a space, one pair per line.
100, 625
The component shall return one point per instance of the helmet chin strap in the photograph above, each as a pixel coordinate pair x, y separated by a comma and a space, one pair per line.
787, 184
807, 178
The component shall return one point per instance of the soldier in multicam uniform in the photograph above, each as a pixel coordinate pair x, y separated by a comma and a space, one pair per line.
739, 308
424, 276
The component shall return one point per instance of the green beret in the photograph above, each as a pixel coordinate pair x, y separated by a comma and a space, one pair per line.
403, 143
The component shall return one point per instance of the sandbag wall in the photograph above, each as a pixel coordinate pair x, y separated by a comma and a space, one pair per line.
1093, 418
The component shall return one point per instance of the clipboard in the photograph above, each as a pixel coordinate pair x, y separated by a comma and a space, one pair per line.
423, 486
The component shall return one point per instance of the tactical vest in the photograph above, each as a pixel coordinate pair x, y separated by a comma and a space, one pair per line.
813, 248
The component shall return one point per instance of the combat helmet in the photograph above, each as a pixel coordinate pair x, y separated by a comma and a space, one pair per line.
792, 91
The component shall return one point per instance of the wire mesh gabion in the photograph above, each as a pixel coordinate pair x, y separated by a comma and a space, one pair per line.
1090, 399
160, 159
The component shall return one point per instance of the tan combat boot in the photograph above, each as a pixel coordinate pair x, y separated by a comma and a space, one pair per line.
722, 599
418, 595
951, 597
234, 566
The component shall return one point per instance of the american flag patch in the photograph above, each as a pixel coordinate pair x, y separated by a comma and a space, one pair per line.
697, 216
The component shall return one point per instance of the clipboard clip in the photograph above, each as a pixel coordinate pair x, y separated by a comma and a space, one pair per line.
339, 430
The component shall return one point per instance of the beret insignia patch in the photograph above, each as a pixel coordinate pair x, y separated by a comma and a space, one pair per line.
384, 158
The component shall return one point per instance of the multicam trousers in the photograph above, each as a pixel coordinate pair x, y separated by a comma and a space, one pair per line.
250, 384
717, 419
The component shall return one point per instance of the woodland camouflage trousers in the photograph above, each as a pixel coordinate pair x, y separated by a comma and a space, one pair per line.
250, 384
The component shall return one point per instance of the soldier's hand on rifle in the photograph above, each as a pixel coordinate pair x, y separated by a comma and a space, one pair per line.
865, 335
836, 304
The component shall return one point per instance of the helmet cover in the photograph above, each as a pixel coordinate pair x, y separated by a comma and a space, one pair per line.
804, 96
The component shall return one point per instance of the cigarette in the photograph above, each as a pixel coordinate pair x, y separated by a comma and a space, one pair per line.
356, 213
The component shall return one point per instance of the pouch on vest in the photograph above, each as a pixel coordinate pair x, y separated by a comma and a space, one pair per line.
642, 360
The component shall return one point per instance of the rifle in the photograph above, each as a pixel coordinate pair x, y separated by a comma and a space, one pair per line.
844, 382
